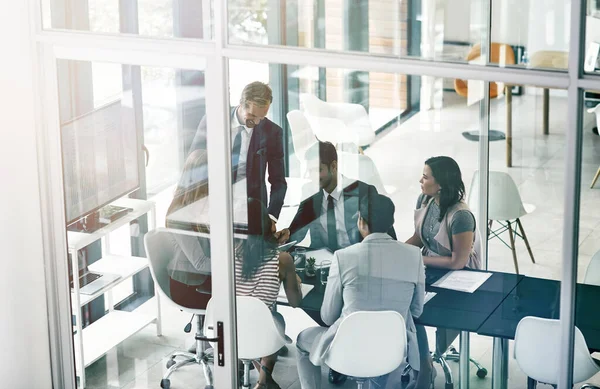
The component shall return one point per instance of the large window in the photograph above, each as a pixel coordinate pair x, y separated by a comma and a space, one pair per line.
150, 97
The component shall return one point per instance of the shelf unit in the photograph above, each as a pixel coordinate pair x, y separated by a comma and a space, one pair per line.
116, 326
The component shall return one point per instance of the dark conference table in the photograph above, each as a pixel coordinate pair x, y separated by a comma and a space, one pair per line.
493, 310
541, 298
448, 309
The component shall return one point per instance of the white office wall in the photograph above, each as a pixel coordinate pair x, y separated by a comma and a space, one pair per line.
510, 21
24, 351
550, 19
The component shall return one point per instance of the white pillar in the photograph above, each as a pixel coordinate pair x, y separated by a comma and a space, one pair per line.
25, 351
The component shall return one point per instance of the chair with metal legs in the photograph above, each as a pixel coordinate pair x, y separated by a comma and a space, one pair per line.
504, 207
160, 246
257, 333
536, 350
444, 352
595, 178
380, 335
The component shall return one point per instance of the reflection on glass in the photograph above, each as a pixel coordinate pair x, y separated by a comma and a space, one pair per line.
526, 187
156, 18
529, 34
354, 142
125, 132
592, 37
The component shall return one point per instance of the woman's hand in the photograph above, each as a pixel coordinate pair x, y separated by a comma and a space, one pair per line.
282, 236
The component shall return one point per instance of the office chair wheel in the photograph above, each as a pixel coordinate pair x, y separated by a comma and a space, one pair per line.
209, 387
481, 373
165, 383
405, 378
449, 386
170, 363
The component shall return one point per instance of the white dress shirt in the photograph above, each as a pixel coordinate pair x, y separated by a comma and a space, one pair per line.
245, 145
246, 136
340, 221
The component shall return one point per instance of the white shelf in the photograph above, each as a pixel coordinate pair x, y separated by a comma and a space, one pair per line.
79, 240
106, 333
113, 264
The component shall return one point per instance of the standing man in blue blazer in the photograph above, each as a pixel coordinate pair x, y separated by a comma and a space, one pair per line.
257, 145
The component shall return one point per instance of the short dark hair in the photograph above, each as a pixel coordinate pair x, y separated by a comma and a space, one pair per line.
378, 211
327, 153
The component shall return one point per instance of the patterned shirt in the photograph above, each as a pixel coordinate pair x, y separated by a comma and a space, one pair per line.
264, 283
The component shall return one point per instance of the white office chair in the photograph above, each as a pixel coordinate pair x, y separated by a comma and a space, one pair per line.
592, 273
383, 336
159, 246
504, 206
302, 134
537, 344
360, 167
257, 334
338, 123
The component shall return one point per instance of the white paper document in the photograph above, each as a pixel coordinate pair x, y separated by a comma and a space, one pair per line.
428, 296
319, 255
462, 280
282, 298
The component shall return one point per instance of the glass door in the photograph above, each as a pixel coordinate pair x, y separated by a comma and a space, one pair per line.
151, 293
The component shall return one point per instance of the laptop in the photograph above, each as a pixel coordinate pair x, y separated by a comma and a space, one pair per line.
91, 282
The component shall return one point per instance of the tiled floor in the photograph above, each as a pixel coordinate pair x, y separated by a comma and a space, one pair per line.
538, 171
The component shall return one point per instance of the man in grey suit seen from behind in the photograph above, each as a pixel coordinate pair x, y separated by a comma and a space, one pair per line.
376, 274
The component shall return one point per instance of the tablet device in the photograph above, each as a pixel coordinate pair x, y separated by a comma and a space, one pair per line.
287, 246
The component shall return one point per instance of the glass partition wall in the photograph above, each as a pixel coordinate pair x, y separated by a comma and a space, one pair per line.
388, 86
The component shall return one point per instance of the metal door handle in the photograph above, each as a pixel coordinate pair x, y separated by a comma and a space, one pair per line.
220, 342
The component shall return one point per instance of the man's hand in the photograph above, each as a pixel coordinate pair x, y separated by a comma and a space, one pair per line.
282, 236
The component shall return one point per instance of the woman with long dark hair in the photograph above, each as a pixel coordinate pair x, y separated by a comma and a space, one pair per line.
444, 224
260, 269
445, 230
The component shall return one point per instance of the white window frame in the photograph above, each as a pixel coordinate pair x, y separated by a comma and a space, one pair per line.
193, 54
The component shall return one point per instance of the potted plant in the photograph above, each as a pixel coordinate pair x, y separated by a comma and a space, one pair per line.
310, 270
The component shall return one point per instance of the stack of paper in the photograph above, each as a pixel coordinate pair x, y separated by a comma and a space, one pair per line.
462, 280
282, 298
428, 296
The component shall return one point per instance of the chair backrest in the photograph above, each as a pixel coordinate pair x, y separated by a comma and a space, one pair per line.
504, 200
537, 351
549, 59
257, 335
368, 344
316, 107
500, 53
302, 133
160, 248
592, 274
360, 167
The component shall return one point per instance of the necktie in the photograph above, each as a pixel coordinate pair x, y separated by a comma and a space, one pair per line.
331, 229
235, 153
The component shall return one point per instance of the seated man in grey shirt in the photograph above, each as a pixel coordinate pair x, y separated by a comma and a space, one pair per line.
376, 274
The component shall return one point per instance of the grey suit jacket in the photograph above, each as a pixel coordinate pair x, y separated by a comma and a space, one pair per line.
379, 273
